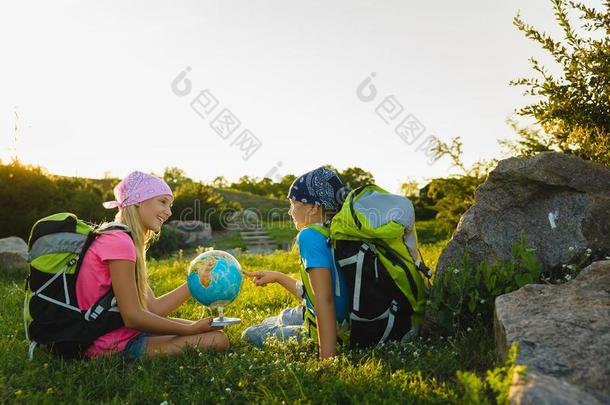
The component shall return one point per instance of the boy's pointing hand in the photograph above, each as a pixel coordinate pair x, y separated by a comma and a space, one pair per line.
261, 278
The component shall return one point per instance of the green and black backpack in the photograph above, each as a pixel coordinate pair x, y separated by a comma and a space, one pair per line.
374, 243
51, 316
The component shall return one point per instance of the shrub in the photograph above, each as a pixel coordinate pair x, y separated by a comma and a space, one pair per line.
494, 387
165, 245
463, 296
573, 107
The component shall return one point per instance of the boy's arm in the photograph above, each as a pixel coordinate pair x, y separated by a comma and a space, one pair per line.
262, 278
321, 282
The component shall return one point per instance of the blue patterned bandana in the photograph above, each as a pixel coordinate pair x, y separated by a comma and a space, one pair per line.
319, 187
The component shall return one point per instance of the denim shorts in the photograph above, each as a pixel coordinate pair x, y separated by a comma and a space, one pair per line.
136, 347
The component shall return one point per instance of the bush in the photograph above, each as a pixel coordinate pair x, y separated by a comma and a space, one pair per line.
195, 201
494, 387
167, 243
464, 296
28, 193
452, 197
574, 106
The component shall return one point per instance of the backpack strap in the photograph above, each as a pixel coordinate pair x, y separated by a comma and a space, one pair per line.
93, 236
304, 276
310, 316
108, 301
323, 229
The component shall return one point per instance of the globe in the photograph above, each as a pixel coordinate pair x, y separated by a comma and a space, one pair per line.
214, 278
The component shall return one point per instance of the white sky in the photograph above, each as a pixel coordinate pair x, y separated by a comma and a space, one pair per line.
91, 82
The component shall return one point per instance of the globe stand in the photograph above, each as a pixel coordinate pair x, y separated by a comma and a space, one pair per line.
222, 320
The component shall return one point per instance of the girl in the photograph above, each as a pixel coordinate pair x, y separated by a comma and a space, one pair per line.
117, 261
314, 198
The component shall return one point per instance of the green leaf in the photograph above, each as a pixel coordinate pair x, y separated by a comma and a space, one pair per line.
472, 303
523, 279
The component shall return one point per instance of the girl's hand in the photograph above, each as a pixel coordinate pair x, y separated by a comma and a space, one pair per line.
203, 325
262, 278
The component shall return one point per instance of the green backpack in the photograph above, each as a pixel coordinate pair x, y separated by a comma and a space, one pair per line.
374, 243
56, 248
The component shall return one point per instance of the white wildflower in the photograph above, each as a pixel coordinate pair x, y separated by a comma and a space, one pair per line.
456, 271
568, 277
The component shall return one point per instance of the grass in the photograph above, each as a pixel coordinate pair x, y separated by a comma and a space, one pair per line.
424, 371
283, 232
429, 232
228, 239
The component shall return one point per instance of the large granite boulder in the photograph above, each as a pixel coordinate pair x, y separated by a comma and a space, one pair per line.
560, 202
563, 333
191, 233
13, 253
540, 389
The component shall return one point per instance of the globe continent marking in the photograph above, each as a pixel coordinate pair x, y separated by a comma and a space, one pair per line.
214, 278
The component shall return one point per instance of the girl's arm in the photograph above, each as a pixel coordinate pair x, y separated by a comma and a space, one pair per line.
262, 278
169, 302
123, 276
321, 283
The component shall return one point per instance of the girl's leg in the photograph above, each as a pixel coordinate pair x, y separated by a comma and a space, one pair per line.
160, 345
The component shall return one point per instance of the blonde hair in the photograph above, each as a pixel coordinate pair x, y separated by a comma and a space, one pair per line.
142, 239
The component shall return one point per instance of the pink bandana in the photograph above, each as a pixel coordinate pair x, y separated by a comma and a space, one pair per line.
135, 188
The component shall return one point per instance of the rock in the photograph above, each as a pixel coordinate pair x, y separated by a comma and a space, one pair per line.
560, 202
250, 215
563, 333
191, 233
13, 253
246, 219
540, 389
